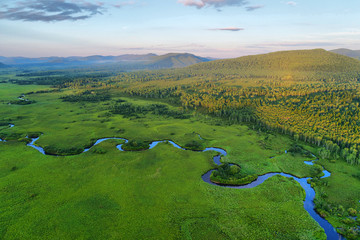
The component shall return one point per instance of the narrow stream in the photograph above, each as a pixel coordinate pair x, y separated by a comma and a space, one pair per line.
310, 193
10, 126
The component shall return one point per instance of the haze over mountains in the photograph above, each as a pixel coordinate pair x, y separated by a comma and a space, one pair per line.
284, 60
347, 52
3, 65
128, 61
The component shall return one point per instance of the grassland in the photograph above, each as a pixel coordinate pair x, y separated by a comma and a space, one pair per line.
153, 194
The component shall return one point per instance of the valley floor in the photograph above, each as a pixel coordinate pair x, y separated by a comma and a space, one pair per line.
152, 194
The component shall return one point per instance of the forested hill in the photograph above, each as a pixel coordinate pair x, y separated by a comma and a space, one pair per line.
175, 60
347, 52
300, 60
317, 60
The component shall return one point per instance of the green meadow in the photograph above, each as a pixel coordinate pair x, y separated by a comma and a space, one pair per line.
151, 194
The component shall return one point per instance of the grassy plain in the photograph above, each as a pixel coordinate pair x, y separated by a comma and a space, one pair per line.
154, 194
151, 194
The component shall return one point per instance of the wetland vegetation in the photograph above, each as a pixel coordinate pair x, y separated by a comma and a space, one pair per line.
256, 108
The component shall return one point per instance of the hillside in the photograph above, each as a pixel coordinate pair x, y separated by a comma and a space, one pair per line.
288, 61
347, 52
3, 65
175, 60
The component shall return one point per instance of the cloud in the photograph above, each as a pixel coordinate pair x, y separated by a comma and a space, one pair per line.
122, 4
214, 3
253, 8
295, 45
292, 3
342, 34
51, 10
232, 29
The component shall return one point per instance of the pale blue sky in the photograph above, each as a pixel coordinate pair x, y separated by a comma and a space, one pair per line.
216, 28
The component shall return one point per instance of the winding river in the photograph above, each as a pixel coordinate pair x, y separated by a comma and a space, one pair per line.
310, 193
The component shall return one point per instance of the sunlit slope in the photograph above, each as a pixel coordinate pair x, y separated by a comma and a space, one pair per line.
317, 60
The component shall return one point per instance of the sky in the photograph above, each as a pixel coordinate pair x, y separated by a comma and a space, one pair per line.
208, 28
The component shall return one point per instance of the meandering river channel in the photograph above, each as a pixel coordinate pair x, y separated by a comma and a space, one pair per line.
310, 193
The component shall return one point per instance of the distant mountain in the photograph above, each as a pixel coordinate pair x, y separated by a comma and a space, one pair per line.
3, 65
128, 61
347, 52
175, 60
292, 62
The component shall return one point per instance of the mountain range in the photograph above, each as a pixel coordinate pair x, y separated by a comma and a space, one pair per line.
286, 60
128, 61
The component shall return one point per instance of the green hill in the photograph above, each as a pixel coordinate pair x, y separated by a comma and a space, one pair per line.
347, 52
286, 61
175, 60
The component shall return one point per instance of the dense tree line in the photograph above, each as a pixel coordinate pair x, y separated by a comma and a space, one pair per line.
131, 110
87, 96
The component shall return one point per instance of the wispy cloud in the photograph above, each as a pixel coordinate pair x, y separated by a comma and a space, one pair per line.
214, 3
51, 10
123, 4
292, 3
253, 8
295, 45
345, 33
232, 29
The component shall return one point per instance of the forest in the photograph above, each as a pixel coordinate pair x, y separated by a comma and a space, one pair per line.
312, 96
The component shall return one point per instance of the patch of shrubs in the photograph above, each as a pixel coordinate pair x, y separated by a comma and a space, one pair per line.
297, 149
14, 168
99, 150
10, 135
25, 140
228, 174
34, 134
316, 170
87, 96
22, 102
194, 145
357, 175
131, 110
44, 91
51, 150
3, 123
135, 145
